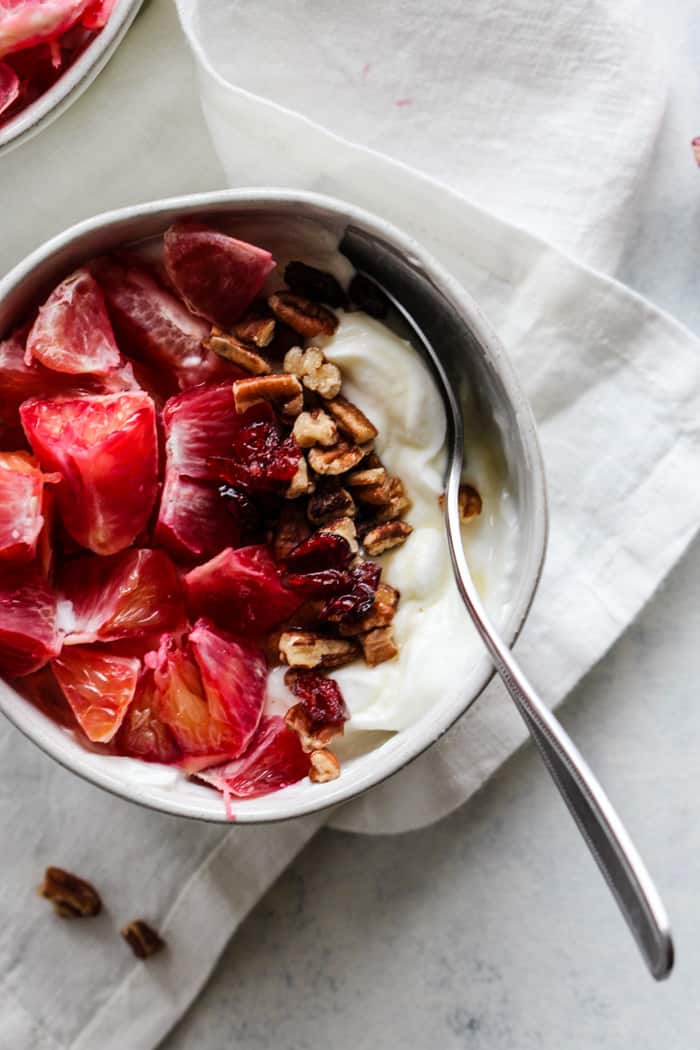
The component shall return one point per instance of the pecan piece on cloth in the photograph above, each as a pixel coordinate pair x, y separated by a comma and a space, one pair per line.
386, 536
368, 297
308, 649
314, 284
351, 420
324, 766
232, 349
304, 316
314, 428
278, 387
379, 646
470, 503
315, 372
338, 459
72, 897
143, 940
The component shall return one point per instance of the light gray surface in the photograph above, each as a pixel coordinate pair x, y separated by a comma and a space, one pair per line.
493, 929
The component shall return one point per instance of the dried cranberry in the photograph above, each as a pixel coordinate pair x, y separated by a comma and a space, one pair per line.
322, 551
358, 599
266, 458
320, 697
243, 511
317, 584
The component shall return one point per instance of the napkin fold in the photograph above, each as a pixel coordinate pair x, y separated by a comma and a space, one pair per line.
523, 113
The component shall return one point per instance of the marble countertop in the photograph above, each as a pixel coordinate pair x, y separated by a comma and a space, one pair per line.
493, 928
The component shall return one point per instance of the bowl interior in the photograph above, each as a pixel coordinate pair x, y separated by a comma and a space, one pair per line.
29, 121
302, 226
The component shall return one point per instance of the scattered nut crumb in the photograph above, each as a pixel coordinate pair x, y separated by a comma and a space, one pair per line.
470, 503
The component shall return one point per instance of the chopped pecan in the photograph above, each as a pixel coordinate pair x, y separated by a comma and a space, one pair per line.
315, 284
232, 349
324, 766
301, 484
370, 485
386, 536
291, 409
337, 459
388, 595
307, 649
329, 501
257, 330
365, 294
311, 367
143, 940
278, 387
72, 897
344, 527
291, 529
351, 420
397, 504
379, 646
314, 428
380, 615
470, 503
305, 317
311, 737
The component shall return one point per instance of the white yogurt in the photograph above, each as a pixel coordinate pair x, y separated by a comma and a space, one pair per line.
386, 377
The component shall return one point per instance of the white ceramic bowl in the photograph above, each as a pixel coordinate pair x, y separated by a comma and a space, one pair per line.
73, 82
308, 217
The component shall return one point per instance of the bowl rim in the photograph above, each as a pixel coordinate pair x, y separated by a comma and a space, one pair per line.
411, 741
70, 86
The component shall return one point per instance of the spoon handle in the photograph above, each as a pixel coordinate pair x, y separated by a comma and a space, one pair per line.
599, 824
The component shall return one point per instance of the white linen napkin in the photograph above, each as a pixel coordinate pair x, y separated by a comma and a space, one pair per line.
549, 116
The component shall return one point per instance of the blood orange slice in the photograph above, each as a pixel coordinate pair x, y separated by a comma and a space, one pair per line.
192, 519
72, 332
143, 734
98, 686
106, 450
9, 86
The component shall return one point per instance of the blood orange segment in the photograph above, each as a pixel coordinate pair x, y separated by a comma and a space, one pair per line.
22, 505
29, 636
143, 734
233, 674
45, 693
105, 447
131, 595
9, 86
203, 711
97, 14
274, 760
241, 590
155, 327
216, 275
98, 686
200, 425
192, 519
72, 332
24, 23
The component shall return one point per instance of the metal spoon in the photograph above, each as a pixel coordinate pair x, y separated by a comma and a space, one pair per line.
601, 828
